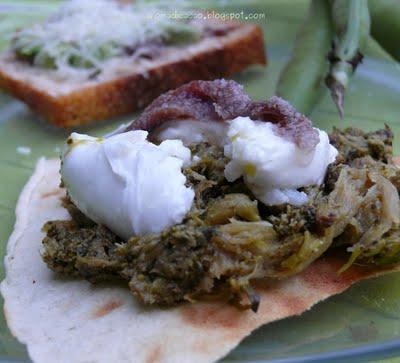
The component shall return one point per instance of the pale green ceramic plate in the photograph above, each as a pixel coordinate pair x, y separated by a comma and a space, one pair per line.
364, 322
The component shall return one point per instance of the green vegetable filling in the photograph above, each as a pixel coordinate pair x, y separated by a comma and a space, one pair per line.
229, 240
34, 50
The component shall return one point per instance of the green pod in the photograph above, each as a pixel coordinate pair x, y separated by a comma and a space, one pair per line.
300, 82
373, 49
351, 24
340, 14
385, 25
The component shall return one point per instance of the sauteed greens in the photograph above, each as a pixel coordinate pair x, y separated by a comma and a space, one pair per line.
229, 240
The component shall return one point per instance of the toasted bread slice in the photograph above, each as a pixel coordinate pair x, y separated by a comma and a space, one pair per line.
126, 86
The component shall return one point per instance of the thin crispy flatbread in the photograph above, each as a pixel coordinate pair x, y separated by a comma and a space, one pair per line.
67, 320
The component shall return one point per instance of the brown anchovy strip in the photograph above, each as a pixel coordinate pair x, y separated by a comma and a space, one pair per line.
222, 100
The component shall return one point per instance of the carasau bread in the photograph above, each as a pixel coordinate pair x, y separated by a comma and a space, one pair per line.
129, 87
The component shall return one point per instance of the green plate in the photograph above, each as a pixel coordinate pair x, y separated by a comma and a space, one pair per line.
360, 323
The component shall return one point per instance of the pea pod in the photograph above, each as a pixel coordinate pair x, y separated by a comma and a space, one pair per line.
351, 24
300, 82
375, 50
385, 26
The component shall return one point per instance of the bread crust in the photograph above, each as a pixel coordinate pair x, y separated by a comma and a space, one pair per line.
130, 93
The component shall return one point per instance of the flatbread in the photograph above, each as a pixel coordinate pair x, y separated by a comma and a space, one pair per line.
70, 320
